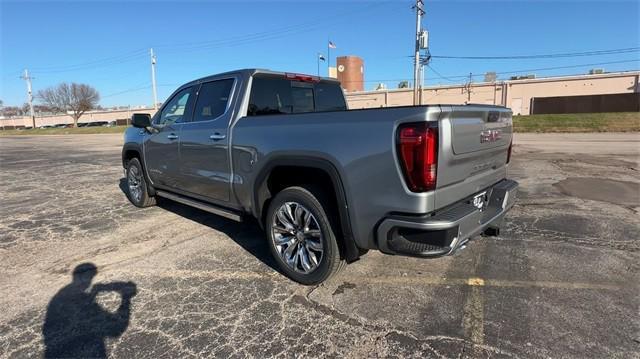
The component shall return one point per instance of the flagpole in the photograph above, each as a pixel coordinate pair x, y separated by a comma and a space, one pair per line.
318, 60
328, 57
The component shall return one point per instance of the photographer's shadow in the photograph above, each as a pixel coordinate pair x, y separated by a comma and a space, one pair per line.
76, 325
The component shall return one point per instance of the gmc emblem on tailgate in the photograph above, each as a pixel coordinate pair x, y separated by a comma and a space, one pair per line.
490, 136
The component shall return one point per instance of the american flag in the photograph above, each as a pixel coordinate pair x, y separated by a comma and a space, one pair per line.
332, 45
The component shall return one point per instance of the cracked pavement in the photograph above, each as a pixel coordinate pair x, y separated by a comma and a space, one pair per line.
562, 279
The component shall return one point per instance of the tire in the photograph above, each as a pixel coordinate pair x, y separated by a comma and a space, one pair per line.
137, 187
302, 237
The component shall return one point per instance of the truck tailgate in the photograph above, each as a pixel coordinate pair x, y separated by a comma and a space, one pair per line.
473, 150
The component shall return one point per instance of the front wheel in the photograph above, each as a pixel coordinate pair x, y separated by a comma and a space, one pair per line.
301, 236
137, 190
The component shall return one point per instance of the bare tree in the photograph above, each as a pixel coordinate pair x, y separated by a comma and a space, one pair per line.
74, 98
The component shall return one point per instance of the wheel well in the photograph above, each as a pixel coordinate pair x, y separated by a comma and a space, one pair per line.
128, 155
282, 177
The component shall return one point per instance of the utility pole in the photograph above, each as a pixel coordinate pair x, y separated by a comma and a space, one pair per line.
28, 79
416, 64
420, 83
469, 87
153, 80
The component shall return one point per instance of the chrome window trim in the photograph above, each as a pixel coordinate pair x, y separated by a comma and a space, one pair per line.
226, 110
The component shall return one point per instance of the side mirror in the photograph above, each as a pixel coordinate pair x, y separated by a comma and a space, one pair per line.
141, 120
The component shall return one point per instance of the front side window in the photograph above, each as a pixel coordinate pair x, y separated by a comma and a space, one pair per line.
212, 100
176, 110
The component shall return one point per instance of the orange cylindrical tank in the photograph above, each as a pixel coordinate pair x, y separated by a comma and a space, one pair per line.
351, 73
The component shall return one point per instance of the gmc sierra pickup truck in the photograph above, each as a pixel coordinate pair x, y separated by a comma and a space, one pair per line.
326, 183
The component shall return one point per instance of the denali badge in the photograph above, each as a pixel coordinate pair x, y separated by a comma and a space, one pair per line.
490, 136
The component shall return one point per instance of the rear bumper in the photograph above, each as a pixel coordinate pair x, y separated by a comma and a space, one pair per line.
445, 231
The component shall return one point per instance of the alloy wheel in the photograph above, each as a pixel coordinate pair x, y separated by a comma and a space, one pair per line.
297, 237
134, 180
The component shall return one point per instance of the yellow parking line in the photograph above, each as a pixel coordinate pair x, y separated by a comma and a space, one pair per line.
550, 284
475, 281
473, 318
384, 280
480, 282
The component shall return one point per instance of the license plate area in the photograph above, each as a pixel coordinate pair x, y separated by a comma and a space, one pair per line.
480, 200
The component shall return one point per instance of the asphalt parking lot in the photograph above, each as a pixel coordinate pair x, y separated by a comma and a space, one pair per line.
562, 280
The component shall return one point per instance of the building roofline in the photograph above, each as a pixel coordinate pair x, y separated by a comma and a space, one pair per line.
540, 79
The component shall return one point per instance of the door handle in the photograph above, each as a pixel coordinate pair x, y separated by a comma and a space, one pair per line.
172, 137
217, 136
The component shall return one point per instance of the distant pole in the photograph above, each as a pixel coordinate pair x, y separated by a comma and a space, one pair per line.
153, 80
328, 57
318, 60
421, 76
28, 79
416, 64
469, 88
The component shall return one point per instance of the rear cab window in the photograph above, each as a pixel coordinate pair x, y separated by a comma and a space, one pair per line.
276, 94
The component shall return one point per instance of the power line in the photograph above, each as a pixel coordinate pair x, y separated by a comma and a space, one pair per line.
319, 23
204, 45
544, 56
114, 60
451, 77
544, 68
440, 75
127, 91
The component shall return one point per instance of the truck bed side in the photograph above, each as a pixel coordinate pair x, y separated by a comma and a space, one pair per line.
360, 145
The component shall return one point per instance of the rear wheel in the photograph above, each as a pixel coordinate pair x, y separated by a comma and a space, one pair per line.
301, 236
137, 190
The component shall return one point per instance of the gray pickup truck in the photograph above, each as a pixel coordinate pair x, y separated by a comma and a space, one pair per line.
326, 183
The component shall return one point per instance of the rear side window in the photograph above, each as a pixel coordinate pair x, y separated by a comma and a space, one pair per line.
213, 98
329, 98
278, 95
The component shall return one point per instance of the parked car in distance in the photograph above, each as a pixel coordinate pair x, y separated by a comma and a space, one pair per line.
46, 126
110, 124
326, 184
97, 124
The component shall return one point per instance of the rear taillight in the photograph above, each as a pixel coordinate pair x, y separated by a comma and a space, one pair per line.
509, 151
418, 153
